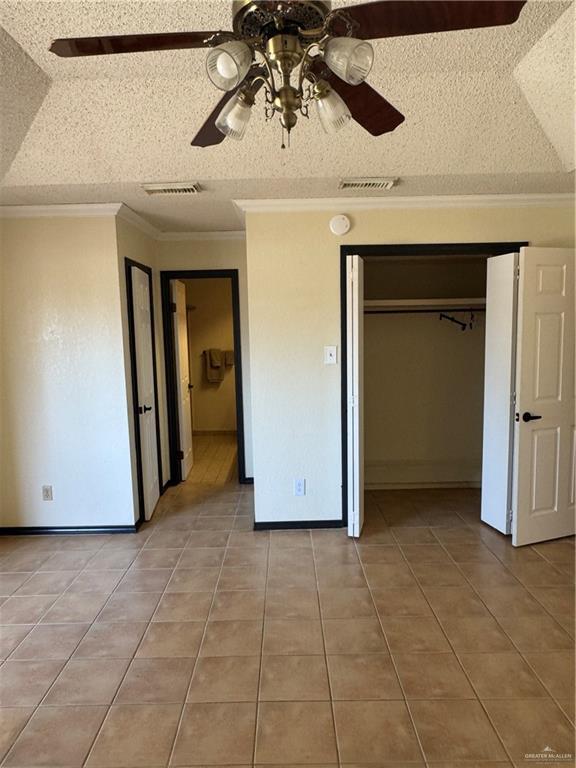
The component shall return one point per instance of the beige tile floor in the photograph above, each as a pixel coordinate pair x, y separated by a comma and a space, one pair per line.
198, 642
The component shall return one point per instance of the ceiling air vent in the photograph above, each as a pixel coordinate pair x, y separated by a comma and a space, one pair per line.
173, 188
378, 183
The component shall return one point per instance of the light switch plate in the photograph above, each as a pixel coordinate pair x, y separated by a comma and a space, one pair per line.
330, 355
299, 486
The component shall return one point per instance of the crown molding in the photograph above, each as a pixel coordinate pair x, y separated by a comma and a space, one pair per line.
75, 210
118, 210
345, 204
238, 234
127, 214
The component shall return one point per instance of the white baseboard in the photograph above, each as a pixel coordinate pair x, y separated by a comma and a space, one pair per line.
422, 474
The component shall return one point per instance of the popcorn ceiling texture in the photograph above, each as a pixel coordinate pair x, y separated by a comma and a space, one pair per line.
23, 87
108, 124
546, 77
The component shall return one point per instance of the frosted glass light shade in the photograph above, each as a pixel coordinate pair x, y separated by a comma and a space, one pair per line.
228, 64
349, 58
234, 118
332, 111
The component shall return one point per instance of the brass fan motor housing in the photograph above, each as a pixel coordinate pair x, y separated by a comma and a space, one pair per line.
250, 17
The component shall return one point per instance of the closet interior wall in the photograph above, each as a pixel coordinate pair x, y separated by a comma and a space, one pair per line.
423, 376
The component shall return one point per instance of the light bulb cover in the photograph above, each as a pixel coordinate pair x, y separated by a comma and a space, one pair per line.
331, 108
235, 116
228, 64
349, 58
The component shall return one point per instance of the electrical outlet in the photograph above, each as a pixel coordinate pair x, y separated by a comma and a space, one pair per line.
47, 494
299, 486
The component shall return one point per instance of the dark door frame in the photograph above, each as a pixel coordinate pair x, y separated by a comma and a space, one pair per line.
128, 264
412, 249
170, 360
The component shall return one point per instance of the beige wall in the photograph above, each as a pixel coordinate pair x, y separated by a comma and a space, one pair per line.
63, 398
423, 396
210, 326
294, 288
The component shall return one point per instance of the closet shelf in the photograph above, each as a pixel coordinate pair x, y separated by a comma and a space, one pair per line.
376, 305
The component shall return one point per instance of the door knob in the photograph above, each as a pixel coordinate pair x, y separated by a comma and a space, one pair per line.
146, 408
527, 416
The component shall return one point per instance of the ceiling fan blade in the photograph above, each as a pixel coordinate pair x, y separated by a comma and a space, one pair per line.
101, 46
393, 18
367, 107
209, 135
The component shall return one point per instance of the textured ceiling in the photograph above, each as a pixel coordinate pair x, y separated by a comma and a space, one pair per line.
108, 124
546, 77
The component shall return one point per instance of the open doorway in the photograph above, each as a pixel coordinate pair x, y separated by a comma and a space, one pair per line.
204, 375
422, 430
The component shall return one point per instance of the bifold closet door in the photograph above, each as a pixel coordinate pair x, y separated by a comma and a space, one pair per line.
499, 373
147, 405
355, 391
544, 463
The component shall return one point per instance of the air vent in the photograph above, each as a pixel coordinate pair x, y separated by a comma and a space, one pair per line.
173, 188
368, 183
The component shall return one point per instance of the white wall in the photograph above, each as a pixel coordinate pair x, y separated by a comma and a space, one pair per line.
294, 289
63, 400
210, 326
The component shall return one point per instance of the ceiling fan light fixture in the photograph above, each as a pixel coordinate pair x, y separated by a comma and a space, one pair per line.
234, 118
228, 64
350, 59
331, 108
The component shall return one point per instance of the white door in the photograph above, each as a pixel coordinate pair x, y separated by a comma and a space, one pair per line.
499, 375
182, 376
355, 387
146, 406
543, 488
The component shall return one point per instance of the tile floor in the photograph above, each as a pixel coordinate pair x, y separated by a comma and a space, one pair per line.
197, 642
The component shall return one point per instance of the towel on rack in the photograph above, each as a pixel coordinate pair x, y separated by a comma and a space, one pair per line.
215, 357
229, 358
214, 374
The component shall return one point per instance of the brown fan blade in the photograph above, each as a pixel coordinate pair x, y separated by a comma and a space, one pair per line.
393, 18
367, 106
209, 135
101, 46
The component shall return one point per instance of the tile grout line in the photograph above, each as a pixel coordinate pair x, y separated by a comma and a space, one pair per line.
200, 644
328, 676
133, 656
257, 712
392, 660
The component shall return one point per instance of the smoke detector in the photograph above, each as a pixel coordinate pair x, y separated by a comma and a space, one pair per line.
366, 182
173, 188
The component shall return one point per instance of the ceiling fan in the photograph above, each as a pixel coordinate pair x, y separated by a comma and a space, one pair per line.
302, 52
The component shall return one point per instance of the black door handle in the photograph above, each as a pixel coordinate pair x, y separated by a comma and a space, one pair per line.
527, 416
144, 409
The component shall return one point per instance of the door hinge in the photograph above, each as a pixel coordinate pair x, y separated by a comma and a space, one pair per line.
509, 517
180, 455
518, 272
173, 307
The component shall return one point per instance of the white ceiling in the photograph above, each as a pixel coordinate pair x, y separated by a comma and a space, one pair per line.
108, 124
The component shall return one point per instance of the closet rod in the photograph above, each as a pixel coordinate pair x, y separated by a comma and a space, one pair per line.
453, 310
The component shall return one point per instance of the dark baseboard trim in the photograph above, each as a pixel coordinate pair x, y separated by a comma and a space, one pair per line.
167, 484
294, 524
247, 481
46, 530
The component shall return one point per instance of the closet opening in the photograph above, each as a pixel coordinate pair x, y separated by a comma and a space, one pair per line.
420, 375
201, 311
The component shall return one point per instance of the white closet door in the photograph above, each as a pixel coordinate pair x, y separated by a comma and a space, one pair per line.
543, 493
499, 374
146, 406
183, 376
355, 386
